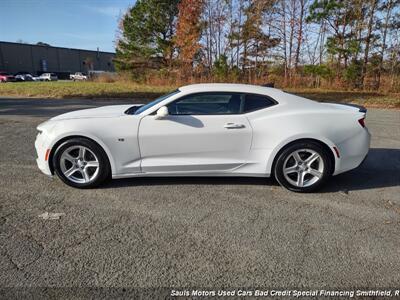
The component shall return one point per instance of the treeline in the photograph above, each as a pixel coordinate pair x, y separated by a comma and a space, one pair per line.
298, 43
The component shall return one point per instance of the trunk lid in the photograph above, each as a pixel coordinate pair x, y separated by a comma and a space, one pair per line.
348, 107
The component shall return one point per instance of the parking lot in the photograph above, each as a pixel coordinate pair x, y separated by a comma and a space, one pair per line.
196, 232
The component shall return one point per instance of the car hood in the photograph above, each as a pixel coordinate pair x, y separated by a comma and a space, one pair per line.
109, 111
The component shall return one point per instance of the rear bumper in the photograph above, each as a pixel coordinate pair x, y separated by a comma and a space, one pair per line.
353, 151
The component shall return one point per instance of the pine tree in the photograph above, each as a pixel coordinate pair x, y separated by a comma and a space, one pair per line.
146, 38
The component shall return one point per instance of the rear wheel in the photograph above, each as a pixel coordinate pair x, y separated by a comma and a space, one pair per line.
81, 163
303, 167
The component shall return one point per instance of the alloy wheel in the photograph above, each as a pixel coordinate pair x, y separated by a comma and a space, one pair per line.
79, 164
303, 167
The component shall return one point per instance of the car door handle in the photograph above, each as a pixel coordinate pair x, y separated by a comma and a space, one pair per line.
233, 126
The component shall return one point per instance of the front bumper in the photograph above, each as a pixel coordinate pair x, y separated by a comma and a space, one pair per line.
41, 146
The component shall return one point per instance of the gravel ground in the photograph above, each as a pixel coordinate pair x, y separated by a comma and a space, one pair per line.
196, 232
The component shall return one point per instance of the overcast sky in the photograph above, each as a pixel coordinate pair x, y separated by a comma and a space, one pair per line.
85, 24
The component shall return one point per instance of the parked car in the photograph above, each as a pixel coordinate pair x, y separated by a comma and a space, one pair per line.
48, 77
78, 76
207, 130
6, 77
36, 78
24, 76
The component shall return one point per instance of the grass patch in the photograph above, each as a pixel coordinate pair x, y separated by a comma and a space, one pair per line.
80, 89
121, 89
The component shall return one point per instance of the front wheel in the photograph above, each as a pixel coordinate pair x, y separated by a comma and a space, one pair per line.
81, 163
303, 167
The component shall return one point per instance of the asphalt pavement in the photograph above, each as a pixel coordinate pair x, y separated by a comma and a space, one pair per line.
195, 232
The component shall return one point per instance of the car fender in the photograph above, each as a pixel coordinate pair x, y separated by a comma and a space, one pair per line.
296, 137
57, 138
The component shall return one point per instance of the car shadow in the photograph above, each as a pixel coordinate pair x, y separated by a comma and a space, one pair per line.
380, 169
186, 120
188, 180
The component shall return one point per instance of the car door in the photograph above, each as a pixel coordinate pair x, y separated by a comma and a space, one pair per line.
204, 132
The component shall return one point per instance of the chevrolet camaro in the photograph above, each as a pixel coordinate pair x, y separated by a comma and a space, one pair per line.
207, 130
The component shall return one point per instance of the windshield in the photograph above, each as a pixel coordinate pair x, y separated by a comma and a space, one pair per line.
158, 100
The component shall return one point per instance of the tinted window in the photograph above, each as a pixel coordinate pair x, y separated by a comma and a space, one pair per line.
207, 104
256, 102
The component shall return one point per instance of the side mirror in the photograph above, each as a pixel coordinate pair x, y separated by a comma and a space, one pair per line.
162, 112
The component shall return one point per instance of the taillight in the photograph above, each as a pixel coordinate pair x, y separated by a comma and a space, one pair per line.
362, 122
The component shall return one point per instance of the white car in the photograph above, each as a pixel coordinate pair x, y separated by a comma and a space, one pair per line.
77, 76
27, 77
207, 130
48, 77
22, 76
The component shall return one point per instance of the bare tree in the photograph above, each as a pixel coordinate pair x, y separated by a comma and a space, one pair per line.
299, 33
373, 5
387, 7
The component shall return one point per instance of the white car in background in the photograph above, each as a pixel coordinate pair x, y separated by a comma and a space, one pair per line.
23, 76
48, 77
207, 130
27, 77
78, 76
36, 78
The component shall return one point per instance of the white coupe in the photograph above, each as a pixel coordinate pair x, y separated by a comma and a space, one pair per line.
207, 130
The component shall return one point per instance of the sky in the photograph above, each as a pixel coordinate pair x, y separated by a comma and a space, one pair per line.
83, 24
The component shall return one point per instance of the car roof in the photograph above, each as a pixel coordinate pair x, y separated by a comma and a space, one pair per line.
276, 94
230, 87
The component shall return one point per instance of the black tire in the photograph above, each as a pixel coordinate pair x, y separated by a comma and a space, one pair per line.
287, 154
104, 169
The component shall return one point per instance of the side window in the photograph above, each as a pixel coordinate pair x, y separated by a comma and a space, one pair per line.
256, 102
217, 103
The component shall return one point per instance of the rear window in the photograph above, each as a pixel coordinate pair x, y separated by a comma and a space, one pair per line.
256, 102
